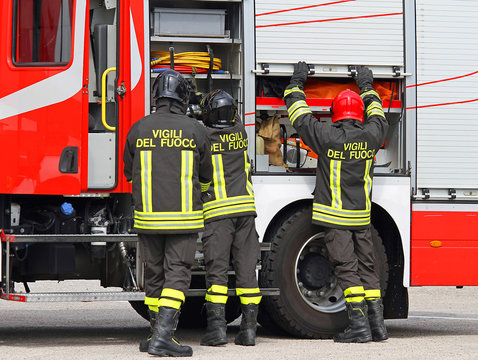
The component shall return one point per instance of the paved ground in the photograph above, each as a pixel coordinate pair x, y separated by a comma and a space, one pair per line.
443, 324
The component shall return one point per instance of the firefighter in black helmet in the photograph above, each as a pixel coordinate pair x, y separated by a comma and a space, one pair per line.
342, 200
229, 213
168, 159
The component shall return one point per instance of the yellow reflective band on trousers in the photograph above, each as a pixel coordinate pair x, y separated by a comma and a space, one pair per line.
146, 180
217, 294
236, 204
372, 294
218, 177
169, 220
151, 301
335, 190
354, 294
171, 298
367, 184
247, 169
187, 162
340, 216
249, 295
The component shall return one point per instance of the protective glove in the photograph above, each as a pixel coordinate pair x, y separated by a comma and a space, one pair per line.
301, 70
364, 78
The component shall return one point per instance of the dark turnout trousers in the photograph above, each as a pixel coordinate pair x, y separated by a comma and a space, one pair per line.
351, 254
232, 236
168, 259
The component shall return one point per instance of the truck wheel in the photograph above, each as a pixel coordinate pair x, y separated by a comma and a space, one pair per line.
310, 304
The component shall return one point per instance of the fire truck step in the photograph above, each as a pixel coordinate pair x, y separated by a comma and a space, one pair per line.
105, 295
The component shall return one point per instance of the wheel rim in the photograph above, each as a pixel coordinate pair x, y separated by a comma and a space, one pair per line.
314, 277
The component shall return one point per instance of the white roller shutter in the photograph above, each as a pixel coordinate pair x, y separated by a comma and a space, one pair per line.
447, 113
348, 32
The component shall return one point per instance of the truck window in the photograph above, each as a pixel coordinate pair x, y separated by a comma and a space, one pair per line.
42, 32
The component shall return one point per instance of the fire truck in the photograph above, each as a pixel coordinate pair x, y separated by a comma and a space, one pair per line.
76, 74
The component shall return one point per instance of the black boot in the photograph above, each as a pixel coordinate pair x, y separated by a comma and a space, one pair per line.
143, 345
247, 331
216, 325
358, 330
375, 319
163, 342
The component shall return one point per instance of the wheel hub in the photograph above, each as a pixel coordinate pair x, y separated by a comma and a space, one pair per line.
315, 279
314, 271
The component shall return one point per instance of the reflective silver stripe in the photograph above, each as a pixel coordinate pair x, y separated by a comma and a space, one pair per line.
169, 225
233, 209
367, 184
229, 201
340, 221
298, 113
336, 193
340, 212
186, 180
146, 181
294, 89
369, 92
219, 181
168, 215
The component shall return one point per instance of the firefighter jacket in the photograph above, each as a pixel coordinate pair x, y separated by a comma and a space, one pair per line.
167, 157
230, 193
346, 150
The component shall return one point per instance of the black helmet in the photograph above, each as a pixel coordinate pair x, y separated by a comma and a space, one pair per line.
171, 84
218, 109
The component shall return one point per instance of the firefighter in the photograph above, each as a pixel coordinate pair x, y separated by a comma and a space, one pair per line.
167, 157
229, 214
342, 199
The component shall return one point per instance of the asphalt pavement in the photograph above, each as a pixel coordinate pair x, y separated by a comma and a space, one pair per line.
442, 324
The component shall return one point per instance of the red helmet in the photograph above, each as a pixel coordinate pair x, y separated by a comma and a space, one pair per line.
347, 105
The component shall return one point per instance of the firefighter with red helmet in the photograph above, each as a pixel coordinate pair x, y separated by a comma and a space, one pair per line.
168, 159
229, 214
342, 199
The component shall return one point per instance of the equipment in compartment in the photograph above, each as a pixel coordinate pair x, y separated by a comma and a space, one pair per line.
189, 22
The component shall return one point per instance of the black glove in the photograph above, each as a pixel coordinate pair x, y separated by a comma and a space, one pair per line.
364, 77
301, 70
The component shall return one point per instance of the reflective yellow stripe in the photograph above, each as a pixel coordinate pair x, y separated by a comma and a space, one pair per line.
187, 180
205, 186
159, 216
247, 169
154, 308
234, 200
151, 301
335, 168
169, 225
369, 92
367, 184
146, 181
354, 294
340, 212
170, 303
340, 221
372, 294
294, 89
249, 295
297, 105
230, 210
217, 294
171, 298
219, 181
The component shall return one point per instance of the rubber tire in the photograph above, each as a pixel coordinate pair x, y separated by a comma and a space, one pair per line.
289, 311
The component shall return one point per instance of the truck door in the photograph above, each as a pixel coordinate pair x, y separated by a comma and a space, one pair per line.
43, 96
